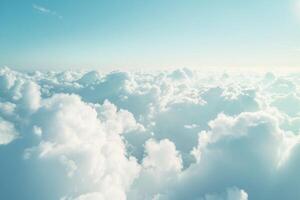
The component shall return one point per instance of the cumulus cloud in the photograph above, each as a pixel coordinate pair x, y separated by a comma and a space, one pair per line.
239, 151
86, 140
30, 96
8, 132
160, 167
162, 156
179, 134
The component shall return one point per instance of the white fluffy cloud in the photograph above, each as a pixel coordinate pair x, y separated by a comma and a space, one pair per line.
162, 157
160, 167
164, 135
240, 151
8, 132
87, 143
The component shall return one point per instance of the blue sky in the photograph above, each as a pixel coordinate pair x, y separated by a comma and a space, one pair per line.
148, 34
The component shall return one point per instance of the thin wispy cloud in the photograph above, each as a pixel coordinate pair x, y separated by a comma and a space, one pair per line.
44, 10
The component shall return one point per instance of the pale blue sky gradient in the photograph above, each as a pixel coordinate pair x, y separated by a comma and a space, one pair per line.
148, 34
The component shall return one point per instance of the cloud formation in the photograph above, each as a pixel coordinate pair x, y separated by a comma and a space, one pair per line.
8, 132
179, 134
45, 10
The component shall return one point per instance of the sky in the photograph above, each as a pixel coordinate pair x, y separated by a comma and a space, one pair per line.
149, 34
101, 133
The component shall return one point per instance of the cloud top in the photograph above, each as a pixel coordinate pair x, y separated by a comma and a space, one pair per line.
164, 135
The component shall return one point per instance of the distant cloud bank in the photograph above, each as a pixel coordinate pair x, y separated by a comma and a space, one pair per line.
169, 135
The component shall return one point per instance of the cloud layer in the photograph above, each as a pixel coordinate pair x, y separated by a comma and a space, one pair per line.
180, 134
